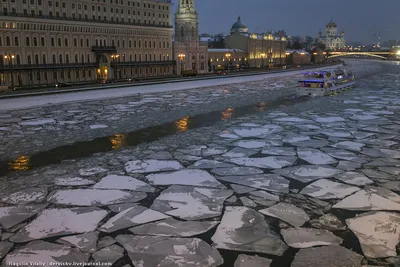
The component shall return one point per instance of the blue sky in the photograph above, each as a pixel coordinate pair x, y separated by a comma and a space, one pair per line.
359, 18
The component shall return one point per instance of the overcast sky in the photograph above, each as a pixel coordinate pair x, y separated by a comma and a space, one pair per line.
359, 18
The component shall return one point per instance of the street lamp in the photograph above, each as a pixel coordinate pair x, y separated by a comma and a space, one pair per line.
181, 57
10, 59
228, 58
262, 60
114, 59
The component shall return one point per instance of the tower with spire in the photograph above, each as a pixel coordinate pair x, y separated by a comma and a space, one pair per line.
186, 22
190, 54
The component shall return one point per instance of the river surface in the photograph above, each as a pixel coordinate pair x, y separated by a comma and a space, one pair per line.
247, 173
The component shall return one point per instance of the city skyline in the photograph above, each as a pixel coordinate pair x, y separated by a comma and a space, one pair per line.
356, 19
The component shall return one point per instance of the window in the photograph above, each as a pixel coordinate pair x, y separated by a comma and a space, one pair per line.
35, 42
16, 41
28, 41
8, 41
44, 59
42, 42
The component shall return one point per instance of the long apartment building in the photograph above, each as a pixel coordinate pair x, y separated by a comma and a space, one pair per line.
67, 41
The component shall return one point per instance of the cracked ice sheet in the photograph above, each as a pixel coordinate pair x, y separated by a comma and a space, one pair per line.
131, 217
172, 227
147, 166
123, 183
315, 156
258, 132
191, 203
149, 251
307, 173
40, 251
58, 222
326, 189
26, 196
244, 229
268, 182
275, 162
75, 181
94, 197
377, 233
185, 177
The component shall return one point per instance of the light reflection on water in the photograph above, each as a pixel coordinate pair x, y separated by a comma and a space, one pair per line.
19, 164
182, 124
262, 106
227, 114
117, 141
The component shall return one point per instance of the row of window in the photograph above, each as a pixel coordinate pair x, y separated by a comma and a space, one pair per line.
65, 59
99, 42
57, 4
72, 28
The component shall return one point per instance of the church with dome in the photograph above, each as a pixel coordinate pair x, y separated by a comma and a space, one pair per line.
239, 27
331, 39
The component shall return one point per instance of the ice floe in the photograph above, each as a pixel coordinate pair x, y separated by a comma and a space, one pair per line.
131, 217
167, 251
59, 222
92, 171
268, 182
244, 229
273, 162
93, 197
236, 171
377, 233
288, 213
26, 196
315, 156
244, 260
328, 222
367, 200
86, 242
308, 173
147, 166
13, 215
326, 189
210, 164
309, 237
239, 152
350, 145
37, 122
108, 255
191, 203
279, 151
185, 177
172, 227
75, 181
250, 144
123, 183
98, 126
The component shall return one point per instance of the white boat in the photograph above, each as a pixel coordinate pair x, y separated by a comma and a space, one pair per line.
325, 82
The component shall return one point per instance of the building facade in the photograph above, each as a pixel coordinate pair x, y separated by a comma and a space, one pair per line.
331, 39
189, 52
227, 59
68, 41
263, 50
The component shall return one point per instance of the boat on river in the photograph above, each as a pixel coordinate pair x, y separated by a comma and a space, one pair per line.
325, 82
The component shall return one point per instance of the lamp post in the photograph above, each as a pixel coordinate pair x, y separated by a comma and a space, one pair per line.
228, 58
262, 60
181, 57
114, 59
10, 59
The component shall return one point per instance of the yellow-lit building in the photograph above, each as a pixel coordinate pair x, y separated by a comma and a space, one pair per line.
227, 59
68, 41
298, 57
262, 49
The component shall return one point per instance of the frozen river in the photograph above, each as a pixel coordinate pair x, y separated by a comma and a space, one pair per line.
228, 175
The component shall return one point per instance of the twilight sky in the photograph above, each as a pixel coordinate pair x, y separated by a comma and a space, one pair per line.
359, 18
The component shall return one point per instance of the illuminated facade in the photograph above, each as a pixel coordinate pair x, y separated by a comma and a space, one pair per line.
68, 41
262, 49
189, 52
331, 39
227, 59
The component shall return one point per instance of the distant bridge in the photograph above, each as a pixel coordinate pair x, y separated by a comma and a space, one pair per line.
381, 55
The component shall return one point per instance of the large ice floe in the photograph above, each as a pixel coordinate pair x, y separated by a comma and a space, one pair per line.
377, 233
309, 237
369, 200
123, 183
172, 227
59, 222
191, 203
166, 251
268, 182
326, 189
307, 173
288, 213
13, 215
275, 162
131, 217
147, 166
244, 229
94, 197
315, 156
44, 252
244, 260
26, 196
185, 177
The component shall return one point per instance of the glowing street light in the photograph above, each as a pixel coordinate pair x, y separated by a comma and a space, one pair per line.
181, 57
10, 59
114, 59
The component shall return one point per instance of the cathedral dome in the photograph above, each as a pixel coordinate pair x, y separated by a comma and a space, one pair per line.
331, 24
238, 26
